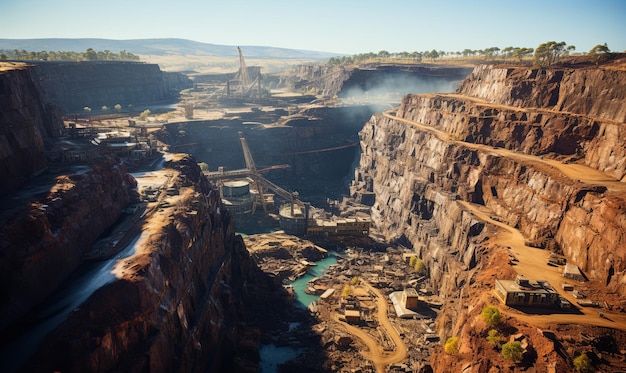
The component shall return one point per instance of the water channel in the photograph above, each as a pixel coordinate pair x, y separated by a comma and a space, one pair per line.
80, 286
272, 355
85, 281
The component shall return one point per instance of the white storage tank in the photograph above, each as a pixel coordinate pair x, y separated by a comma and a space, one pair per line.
235, 188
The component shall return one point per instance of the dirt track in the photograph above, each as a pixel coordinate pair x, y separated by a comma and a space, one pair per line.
379, 357
572, 171
533, 261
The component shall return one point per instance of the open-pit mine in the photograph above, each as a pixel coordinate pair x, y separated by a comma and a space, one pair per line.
325, 218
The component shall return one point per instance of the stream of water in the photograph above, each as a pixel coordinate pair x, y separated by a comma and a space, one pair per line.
271, 355
57, 308
303, 299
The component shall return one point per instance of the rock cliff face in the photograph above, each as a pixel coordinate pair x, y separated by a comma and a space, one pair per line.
44, 237
375, 81
177, 302
297, 143
26, 122
539, 150
74, 85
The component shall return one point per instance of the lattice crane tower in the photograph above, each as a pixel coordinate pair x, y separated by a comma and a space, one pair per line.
244, 78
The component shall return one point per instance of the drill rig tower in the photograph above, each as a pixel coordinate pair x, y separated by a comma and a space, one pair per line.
243, 85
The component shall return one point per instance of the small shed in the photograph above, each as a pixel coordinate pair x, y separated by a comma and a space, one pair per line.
353, 316
326, 295
572, 271
410, 298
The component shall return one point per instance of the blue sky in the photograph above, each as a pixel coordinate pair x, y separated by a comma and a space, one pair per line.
339, 26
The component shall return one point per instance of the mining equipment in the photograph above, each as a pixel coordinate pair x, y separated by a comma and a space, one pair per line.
295, 217
244, 86
239, 198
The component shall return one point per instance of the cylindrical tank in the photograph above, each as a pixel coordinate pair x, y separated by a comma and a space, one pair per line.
235, 188
293, 218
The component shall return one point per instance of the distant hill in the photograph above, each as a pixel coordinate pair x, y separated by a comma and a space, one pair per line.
159, 47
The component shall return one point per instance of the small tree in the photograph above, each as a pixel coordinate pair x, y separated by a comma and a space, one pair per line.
491, 315
144, 114
412, 261
419, 266
451, 347
354, 281
347, 290
105, 108
117, 107
549, 52
513, 351
582, 363
493, 337
599, 53
203, 166
87, 109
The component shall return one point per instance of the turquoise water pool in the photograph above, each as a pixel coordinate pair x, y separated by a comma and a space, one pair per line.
303, 299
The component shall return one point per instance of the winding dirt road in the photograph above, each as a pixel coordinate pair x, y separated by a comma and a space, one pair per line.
377, 354
533, 261
572, 171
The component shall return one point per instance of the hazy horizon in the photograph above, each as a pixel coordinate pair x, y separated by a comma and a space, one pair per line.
346, 27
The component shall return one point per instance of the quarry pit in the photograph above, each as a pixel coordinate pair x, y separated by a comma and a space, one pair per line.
477, 187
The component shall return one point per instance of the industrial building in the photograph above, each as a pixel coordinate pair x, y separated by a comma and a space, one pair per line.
405, 303
523, 292
244, 189
237, 197
572, 271
355, 226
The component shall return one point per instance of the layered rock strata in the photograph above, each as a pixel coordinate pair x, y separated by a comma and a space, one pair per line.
177, 302
44, 236
373, 82
75, 85
577, 208
27, 121
533, 148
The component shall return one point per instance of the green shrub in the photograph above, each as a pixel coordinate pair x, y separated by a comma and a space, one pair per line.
493, 337
582, 363
513, 351
144, 114
491, 315
203, 166
451, 347
347, 290
419, 266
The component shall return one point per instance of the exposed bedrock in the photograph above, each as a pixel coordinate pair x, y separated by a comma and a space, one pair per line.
592, 141
178, 301
75, 85
43, 239
320, 147
377, 80
26, 123
595, 92
418, 177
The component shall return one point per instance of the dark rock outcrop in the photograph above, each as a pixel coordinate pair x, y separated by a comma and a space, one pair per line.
27, 121
178, 302
44, 238
75, 85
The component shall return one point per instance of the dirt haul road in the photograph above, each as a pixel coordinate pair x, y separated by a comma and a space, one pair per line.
375, 353
532, 261
572, 171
